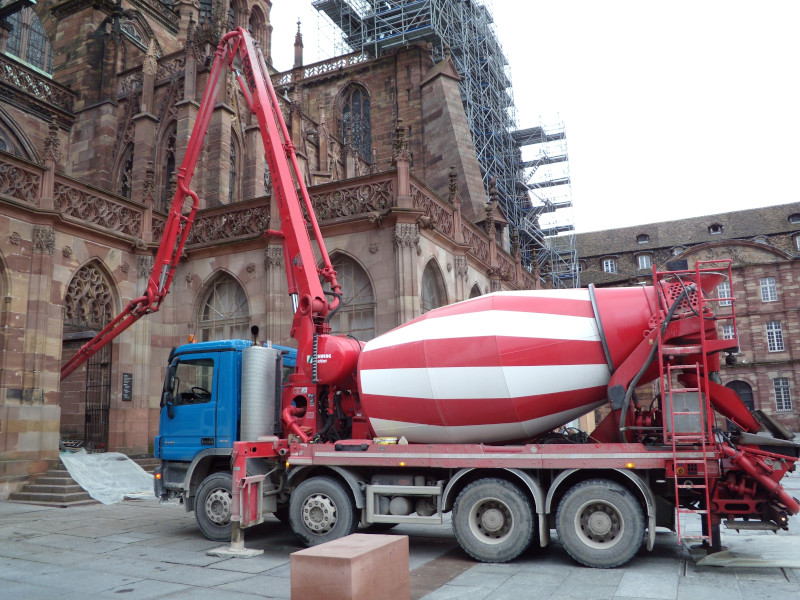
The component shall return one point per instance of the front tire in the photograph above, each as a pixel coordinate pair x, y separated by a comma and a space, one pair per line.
600, 524
493, 520
213, 504
320, 510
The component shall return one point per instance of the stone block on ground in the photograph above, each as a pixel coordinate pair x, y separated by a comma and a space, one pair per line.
356, 567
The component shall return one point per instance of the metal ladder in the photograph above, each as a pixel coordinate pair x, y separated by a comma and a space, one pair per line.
692, 406
692, 441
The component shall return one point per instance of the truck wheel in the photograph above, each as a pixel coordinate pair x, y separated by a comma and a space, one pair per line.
493, 520
212, 507
600, 524
321, 510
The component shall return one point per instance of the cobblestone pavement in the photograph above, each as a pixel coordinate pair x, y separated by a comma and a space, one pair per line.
140, 549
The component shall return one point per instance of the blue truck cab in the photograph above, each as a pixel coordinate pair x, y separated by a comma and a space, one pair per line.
199, 421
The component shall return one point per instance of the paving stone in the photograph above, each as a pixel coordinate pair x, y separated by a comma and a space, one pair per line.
197, 593
647, 585
28, 591
775, 590
272, 587
460, 592
480, 579
256, 564
166, 554
698, 589
144, 590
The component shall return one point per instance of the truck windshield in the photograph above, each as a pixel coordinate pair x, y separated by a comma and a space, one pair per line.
194, 379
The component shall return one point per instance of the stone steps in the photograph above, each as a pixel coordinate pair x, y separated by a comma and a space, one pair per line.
53, 488
57, 488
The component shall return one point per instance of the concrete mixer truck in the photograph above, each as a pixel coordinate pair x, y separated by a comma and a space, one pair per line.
457, 411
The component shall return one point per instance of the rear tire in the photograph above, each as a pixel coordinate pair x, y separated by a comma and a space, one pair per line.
493, 520
320, 510
212, 508
600, 524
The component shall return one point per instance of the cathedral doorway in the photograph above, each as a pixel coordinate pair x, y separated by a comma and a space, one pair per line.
85, 397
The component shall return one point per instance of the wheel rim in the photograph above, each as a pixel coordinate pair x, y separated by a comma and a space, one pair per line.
599, 524
218, 506
490, 520
319, 514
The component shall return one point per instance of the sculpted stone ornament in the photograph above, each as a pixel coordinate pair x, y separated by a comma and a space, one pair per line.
44, 239
51, 142
406, 235
461, 266
145, 266
67, 252
273, 257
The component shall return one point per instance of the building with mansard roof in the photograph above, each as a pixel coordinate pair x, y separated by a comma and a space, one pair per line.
97, 100
763, 245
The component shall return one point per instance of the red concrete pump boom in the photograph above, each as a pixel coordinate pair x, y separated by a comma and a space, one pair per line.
238, 52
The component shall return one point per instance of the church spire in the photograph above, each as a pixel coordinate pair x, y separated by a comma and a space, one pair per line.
298, 47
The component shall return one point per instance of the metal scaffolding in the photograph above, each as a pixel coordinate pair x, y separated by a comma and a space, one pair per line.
466, 27
546, 174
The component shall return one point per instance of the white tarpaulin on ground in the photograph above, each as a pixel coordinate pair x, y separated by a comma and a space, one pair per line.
108, 477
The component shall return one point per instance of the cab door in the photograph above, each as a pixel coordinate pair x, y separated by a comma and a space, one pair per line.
187, 423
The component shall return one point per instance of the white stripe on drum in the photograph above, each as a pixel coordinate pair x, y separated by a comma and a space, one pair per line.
482, 382
484, 433
499, 323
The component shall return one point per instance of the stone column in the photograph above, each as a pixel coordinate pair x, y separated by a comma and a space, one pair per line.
144, 127
401, 158
51, 156
406, 245
254, 163
278, 318
218, 166
38, 332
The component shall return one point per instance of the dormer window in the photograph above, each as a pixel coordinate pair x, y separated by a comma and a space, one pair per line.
715, 229
642, 238
644, 262
609, 265
794, 218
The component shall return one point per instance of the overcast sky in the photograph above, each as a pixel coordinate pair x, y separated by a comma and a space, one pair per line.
672, 110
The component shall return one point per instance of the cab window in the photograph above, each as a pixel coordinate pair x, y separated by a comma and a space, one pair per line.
194, 379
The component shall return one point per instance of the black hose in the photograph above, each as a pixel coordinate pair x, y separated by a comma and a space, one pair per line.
632, 385
329, 316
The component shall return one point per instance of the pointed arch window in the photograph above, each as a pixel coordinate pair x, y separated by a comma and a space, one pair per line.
257, 26
126, 173
355, 126
88, 303
225, 312
475, 291
356, 316
205, 11
28, 40
434, 293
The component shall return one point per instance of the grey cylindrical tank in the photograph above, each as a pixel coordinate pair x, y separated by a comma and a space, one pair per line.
260, 388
